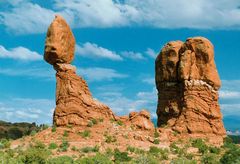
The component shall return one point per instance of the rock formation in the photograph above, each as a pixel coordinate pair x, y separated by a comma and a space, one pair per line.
74, 102
187, 82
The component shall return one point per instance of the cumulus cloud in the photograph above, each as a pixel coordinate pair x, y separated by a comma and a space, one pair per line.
92, 50
19, 53
30, 17
229, 94
99, 74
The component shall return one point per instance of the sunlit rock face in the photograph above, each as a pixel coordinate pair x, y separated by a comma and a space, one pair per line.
74, 102
188, 82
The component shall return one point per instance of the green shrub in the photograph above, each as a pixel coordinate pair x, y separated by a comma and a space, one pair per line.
90, 149
145, 159
231, 156
156, 141
35, 155
119, 122
200, 144
69, 126
44, 126
64, 146
157, 152
74, 148
214, 150
121, 156
210, 159
97, 159
52, 146
85, 133
4, 143
101, 119
39, 145
228, 143
183, 161
33, 133
61, 160
135, 150
156, 134
65, 134
110, 139
54, 129
94, 121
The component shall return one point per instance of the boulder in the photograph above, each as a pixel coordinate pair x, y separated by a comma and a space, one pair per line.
60, 42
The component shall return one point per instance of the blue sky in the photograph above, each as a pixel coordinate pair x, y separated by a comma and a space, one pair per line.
117, 42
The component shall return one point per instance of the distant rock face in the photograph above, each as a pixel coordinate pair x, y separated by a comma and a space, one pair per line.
187, 82
74, 102
60, 42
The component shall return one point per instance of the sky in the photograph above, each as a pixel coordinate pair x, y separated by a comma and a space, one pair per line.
117, 42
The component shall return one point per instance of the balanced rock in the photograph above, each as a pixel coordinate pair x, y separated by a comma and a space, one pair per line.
188, 82
74, 102
60, 42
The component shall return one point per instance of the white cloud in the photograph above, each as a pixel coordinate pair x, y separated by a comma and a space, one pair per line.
19, 53
30, 72
92, 50
98, 13
27, 110
229, 94
98, 74
150, 52
122, 104
27, 17
150, 80
132, 55
230, 109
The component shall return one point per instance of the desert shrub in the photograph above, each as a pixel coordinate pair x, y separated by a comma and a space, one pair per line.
145, 159
39, 145
214, 150
33, 133
200, 144
14, 133
90, 124
101, 119
231, 156
135, 150
85, 133
4, 143
61, 160
156, 134
90, 149
65, 134
156, 141
37, 155
74, 148
121, 156
54, 128
52, 146
183, 161
109, 139
108, 152
69, 126
119, 122
157, 152
64, 146
228, 143
94, 121
44, 126
210, 159
97, 159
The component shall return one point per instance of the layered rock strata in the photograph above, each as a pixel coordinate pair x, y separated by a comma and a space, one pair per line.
74, 102
188, 82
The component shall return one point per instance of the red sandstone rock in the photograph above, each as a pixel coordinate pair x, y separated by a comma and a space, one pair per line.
188, 83
74, 101
141, 120
60, 42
